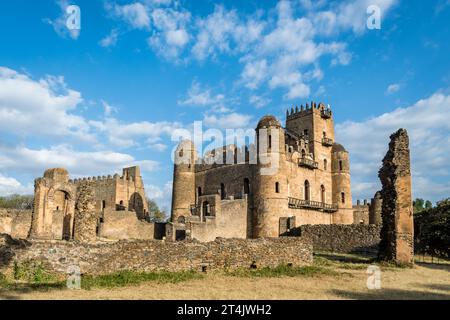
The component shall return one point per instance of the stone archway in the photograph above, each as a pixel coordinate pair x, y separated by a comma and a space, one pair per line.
136, 204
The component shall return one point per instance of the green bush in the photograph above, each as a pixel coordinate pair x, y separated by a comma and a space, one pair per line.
32, 272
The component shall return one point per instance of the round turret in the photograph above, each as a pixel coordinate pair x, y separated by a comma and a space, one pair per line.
342, 195
183, 194
270, 195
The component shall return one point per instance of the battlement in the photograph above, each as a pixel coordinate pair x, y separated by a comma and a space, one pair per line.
297, 112
226, 155
102, 178
361, 203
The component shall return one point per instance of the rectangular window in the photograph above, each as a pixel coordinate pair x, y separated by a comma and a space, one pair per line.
343, 197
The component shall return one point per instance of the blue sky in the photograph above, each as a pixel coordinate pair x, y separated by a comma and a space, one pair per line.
113, 94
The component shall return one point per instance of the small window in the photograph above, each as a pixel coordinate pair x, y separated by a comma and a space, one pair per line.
325, 164
277, 187
307, 192
343, 197
57, 208
305, 132
270, 141
121, 202
199, 191
246, 186
181, 153
340, 165
223, 191
103, 204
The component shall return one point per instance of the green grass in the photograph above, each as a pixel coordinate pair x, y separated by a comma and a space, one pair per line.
283, 271
33, 272
129, 278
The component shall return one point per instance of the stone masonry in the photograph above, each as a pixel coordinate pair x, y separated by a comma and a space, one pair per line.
397, 235
155, 255
85, 214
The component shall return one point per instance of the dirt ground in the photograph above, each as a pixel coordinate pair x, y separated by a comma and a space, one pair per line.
424, 281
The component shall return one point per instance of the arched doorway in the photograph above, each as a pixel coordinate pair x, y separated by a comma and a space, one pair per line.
307, 190
322, 194
62, 216
206, 209
136, 204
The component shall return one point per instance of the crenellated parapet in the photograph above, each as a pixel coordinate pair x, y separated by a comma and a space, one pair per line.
297, 112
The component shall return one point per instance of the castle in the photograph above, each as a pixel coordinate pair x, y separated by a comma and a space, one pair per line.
118, 205
243, 196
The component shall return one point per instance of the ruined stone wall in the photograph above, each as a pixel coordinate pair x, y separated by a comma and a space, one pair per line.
16, 223
85, 222
152, 255
341, 238
361, 213
397, 213
230, 222
125, 225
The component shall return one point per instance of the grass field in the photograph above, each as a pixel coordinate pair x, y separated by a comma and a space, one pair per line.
331, 277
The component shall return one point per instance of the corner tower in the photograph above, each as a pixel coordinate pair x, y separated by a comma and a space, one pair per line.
183, 194
270, 197
342, 194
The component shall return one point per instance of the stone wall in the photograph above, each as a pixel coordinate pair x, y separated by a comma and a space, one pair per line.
15, 222
397, 233
341, 238
118, 225
153, 255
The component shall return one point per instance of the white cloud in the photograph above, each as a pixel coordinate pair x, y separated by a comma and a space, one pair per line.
429, 132
392, 88
35, 161
162, 195
254, 73
228, 121
59, 24
259, 101
45, 106
110, 40
170, 35
198, 96
135, 14
125, 135
9, 186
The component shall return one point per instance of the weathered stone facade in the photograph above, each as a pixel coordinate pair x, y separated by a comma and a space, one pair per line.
153, 255
356, 238
297, 171
85, 223
67, 209
15, 222
397, 234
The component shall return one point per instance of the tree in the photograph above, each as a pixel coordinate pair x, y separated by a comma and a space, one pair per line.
432, 230
16, 201
418, 205
154, 212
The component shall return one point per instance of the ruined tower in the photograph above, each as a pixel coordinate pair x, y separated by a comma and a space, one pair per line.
183, 195
397, 234
375, 209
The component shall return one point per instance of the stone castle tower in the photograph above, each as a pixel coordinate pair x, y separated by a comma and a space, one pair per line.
293, 175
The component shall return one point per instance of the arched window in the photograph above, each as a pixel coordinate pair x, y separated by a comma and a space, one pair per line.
343, 197
223, 191
246, 186
181, 219
325, 164
270, 141
307, 191
277, 187
303, 153
340, 165
322, 193
181, 153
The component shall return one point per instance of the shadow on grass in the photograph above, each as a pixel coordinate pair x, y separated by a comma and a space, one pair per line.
347, 258
436, 286
391, 294
434, 266
14, 291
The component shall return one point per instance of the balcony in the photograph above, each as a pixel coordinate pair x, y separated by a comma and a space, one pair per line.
308, 163
326, 114
311, 205
327, 142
